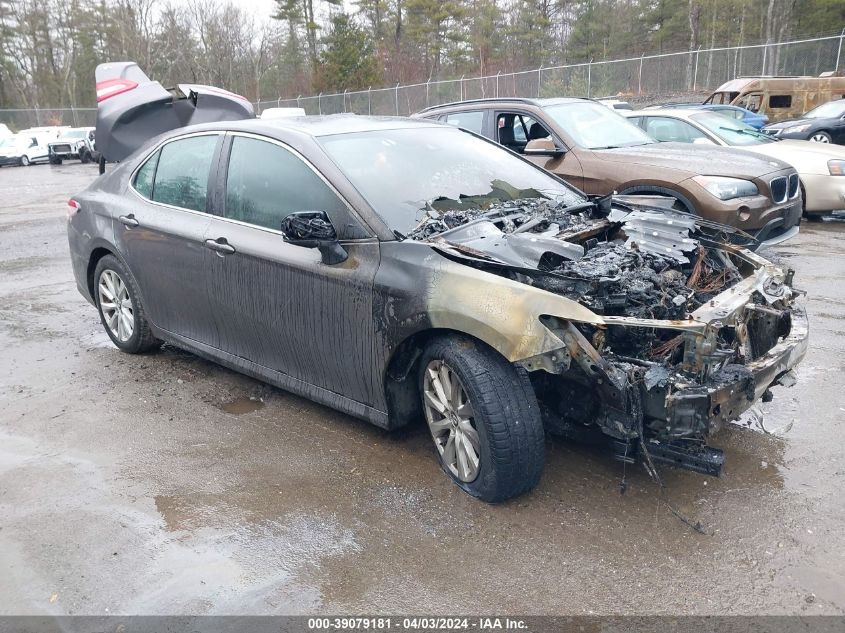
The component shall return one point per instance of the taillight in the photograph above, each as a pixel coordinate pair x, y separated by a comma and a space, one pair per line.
73, 207
112, 87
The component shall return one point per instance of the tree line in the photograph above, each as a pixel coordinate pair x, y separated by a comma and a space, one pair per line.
49, 48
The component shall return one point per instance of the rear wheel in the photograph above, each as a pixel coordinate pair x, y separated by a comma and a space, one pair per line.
820, 137
24, 160
483, 417
85, 156
120, 308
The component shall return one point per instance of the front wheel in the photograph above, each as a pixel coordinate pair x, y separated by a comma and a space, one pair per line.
821, 137
120, 308
24, 161
483, 417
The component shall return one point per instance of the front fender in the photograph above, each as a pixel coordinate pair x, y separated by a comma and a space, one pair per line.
503, 313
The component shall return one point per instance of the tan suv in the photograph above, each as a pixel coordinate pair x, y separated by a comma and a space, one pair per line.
597, 150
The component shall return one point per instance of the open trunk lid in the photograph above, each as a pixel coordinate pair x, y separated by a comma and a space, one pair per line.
131, 108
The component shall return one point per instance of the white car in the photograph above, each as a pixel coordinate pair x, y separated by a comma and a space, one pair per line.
281, 113
616, 104
23, 149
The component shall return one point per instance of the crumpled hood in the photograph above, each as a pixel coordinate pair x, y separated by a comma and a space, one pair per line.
695, 159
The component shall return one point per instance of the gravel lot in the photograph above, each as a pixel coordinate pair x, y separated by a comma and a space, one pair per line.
164, 484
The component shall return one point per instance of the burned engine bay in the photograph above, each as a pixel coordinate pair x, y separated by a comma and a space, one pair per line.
692, 331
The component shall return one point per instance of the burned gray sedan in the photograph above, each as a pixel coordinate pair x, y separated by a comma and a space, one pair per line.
402, 270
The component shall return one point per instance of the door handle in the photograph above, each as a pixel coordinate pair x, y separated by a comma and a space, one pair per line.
129, 220
220, 246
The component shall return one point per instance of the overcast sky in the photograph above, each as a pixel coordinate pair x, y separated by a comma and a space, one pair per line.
260, 8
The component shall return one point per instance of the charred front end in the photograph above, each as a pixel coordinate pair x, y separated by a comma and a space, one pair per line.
685, 334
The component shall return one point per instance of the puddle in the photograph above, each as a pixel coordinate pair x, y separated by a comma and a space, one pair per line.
240, 406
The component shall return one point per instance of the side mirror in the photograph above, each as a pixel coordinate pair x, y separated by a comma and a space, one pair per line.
542, 147
702, 141
313, 229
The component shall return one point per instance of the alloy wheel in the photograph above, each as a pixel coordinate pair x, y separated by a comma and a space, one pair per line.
450, 418
24, 161
116, 305
820, 138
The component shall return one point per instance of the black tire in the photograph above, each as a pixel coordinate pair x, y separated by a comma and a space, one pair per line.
142, 339
85, 157
55, 161
505, 415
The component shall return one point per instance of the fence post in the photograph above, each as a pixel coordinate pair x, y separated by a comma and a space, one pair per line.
279, 102
320, 103
640, 77
298, 97
396, 97
695, 72
370, 100
497, 83
344, 99
427, 102
589, 77
462, 88
539, 78
37, 118
839, 49
765, 54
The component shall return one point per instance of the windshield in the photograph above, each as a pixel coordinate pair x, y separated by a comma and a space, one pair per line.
829, 110
594, 126
408, 174
74, 134
731, 131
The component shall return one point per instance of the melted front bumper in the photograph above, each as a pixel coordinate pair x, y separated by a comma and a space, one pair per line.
699, 410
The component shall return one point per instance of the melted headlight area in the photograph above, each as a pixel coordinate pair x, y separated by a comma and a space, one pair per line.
666, 388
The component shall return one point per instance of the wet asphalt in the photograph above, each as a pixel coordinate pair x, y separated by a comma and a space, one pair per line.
164, 484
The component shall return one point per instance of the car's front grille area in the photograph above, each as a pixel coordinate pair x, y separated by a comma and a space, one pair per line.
794, 186
779, 187
60, 148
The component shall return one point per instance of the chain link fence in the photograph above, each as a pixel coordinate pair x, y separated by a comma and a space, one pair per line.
22, 118
637, 79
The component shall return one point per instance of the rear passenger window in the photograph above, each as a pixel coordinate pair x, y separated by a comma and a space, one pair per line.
780, 101
144, 177
181, 178
472, 121
266, 183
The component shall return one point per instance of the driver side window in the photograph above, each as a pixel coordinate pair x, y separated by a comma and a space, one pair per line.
266, 182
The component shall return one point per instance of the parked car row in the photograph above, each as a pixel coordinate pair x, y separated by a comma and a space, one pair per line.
821, 168
405, 269
51, 144
600, 152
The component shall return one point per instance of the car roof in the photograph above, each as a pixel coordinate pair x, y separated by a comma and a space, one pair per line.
543, 102
678, 113
316, 125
